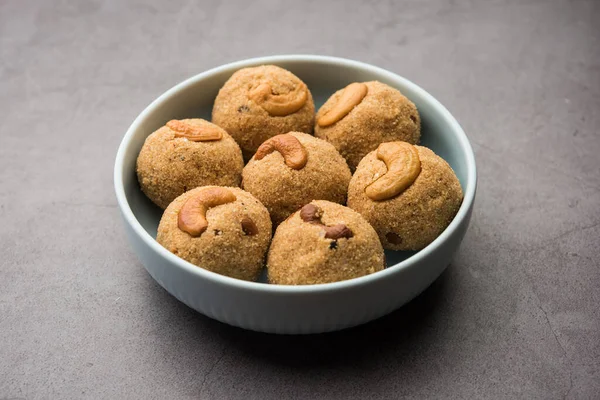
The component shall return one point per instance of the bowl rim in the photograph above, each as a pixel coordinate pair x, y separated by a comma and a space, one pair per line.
130, 218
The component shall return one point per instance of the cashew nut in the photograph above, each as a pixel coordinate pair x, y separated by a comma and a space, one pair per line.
192, 216
352, 95
249, 227
288, 146
194, 133
403, 166
312, 214
279, 105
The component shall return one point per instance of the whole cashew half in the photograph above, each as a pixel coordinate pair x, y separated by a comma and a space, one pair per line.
352, 96
194, 133
312, 214
403, 167
288, 146
192, 216
279, 105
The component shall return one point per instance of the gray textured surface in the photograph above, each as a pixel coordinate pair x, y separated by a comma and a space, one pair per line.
517, 313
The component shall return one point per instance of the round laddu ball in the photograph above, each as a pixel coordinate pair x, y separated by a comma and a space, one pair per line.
222, 229
413, 218
359, 117
293, 169
258, 103
185, 154
323, 242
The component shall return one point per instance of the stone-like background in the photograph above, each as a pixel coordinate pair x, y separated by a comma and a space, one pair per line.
516, 315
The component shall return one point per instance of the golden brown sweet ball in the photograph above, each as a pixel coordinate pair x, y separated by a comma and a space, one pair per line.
323, 242
222, 229
185, 154
408, 193
359, 117
293, 169
258, 103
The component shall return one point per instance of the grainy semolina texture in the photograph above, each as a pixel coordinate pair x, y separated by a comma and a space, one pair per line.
415, 217
168, 166
249, 123
383, 115
284, 190
301, 255
224, 247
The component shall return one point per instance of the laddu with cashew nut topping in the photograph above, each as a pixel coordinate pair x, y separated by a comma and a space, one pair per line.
222, 229
407, 193
323, 242
185, 154
258, 103
357, 118
293, 169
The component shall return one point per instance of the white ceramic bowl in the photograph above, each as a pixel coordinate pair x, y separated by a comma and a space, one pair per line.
292, 309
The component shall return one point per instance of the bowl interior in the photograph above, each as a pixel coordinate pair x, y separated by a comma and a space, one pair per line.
194, 99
